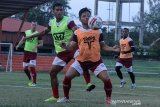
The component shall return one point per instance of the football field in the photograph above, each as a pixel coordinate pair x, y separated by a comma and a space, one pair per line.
14, 91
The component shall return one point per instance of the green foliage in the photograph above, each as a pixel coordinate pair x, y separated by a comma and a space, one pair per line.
43, 13
155, 50
151, 22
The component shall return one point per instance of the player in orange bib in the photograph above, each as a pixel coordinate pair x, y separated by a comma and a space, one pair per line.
90, 42
125, 58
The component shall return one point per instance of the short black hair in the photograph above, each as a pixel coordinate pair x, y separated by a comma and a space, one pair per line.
126, 29
57, 4
84, 10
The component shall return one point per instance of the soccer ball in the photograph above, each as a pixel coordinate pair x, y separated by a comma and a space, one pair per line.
95, 22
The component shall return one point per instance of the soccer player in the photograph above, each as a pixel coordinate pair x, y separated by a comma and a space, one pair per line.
62, 28
90, 43
125, 58
30, 53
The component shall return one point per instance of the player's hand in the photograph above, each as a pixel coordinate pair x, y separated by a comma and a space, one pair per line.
63, 45
116, 46
34, 49
116, 56
17, 47
117, 49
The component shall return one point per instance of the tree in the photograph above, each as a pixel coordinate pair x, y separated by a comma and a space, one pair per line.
151, 22
43, 13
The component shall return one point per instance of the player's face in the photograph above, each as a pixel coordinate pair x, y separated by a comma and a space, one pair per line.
33, 27
85, 17
58, 12
124, 33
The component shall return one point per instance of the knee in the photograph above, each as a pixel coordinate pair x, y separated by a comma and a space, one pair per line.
130, 72
53, 73
25, 68
67, 80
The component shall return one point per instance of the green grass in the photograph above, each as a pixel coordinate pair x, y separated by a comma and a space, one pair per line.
14, 91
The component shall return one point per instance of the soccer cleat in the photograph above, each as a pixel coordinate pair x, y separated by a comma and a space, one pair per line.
51, 99
122, 84
109, 101
31, 84
133, 86
90, 87
63, 100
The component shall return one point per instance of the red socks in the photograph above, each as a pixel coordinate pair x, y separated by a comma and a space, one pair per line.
108, 88
66, 86
87, 77
34, 74
55, 92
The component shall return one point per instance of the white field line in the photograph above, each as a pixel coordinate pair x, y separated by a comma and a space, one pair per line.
13, 86
135, 66
109, 70
143, 73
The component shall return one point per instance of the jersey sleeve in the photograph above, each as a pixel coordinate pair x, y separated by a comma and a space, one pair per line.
131, 43
75, 39
71, 23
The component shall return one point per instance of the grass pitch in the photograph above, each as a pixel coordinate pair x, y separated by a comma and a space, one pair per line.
14, 91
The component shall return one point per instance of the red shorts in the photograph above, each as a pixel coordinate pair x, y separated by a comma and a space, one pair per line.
29, 56
88, 65
125, 62
66, 56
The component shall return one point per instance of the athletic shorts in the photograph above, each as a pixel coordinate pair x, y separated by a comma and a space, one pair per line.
62, 58
29, 58
95, 67
124, 62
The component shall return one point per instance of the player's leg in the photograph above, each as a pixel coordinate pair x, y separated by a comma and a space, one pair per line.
119, 73
86, 75
107, 85
25, 66
32, 67
132, 76
26, 70
128, 65
57, 66
87, 78
54, 80
73, 71
101, 73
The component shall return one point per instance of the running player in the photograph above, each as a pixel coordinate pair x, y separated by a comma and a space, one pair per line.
125, 58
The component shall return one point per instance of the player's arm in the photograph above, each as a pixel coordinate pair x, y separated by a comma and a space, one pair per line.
72, 26
40, 43
131, 44
40, 34
106, 47
20, 43
72, 45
